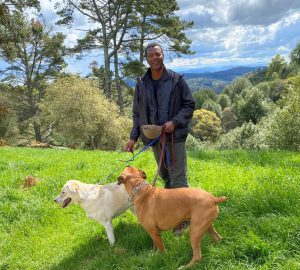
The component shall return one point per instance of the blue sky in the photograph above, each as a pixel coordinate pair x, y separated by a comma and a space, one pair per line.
225, 33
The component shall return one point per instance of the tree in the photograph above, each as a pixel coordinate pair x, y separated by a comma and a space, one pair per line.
282, 127
205, 125
119, 30
275, 67
8, 119
156, 20
32, 57
253, 107
212, 106
295, 55
228, 119
237, 87
92, 121
203, 95
224, 101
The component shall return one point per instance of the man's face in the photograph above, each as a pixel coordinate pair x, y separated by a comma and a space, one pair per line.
155, 58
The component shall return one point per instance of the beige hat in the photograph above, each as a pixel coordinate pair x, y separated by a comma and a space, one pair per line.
152, 131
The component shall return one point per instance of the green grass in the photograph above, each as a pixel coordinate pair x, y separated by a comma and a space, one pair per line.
260, 222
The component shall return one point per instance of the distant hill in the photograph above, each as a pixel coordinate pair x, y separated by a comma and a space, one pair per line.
216, 80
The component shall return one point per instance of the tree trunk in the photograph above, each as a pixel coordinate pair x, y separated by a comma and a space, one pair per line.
37, 131
107, 90
142, 41
118, 84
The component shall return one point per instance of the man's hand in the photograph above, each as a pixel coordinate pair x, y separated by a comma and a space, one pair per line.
169, 127
130, 145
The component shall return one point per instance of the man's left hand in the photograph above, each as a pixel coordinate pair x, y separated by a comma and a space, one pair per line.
169, 127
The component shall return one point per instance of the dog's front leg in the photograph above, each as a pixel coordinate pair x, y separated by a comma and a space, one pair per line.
109, 231
157, 241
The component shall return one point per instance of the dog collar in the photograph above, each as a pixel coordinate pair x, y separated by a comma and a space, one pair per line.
136, 189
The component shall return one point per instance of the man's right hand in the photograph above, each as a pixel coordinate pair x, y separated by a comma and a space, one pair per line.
130, 145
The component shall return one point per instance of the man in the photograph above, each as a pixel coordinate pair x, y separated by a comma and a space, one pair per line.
163, 98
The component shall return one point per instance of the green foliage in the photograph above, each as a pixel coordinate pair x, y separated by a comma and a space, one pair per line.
228, 119
245, 137
133, 69
212, 106
237, 87
91, 120
282, 128
275, 67
257, 76
253, 106
259, 223
206, 126
224, 101
295, 55
8, 119
32, 56
203, 95
192, 143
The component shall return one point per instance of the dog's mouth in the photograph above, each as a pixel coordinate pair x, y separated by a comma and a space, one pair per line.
66, 202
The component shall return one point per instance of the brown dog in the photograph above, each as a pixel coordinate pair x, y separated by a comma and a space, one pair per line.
159, 209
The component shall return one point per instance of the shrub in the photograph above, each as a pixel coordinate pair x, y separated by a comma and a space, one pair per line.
206, 126
80, 115
229, 119
192, 143
247, 136
282, 128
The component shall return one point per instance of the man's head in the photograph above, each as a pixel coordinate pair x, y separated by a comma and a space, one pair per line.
154, 56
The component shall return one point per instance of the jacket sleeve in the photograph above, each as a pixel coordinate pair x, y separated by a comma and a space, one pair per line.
185, 113
135, 131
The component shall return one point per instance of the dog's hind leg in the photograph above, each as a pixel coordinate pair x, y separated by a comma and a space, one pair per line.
109, 231
214, 234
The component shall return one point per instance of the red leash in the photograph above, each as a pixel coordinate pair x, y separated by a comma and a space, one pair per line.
162, 154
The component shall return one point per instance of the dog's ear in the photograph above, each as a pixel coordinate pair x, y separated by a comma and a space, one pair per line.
121, 179
73, 188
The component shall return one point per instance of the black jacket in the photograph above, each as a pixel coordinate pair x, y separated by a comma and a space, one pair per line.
175, 100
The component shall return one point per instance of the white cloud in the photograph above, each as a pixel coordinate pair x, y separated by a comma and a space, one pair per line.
225, 31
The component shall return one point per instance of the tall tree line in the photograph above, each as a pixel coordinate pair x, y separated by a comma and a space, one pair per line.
32, 57
120, 30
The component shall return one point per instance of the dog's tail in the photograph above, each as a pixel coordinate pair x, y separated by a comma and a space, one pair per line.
220, 199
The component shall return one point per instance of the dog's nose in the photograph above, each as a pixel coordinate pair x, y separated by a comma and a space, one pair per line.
54, 200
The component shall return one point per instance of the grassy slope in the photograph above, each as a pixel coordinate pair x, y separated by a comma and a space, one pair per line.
259, 223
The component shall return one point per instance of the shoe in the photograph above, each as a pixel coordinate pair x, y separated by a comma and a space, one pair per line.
178, 231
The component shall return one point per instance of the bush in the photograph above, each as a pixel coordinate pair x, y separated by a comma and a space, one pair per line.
206, 126
247, 136
282, 128
193, 144
229, 119
80, 115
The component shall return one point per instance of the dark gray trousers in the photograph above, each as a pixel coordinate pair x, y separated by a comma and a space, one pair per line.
176, 177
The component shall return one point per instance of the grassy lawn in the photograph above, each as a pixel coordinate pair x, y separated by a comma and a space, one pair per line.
260, 223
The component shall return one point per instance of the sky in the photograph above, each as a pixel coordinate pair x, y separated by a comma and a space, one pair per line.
225, 33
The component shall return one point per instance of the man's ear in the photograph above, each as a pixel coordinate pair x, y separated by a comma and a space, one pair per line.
121, 179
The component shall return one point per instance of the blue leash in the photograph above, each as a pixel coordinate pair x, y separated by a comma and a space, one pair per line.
131, 159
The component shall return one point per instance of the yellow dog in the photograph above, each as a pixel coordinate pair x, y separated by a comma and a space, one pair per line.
159, 209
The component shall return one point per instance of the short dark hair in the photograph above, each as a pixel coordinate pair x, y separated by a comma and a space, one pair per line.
151, 45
